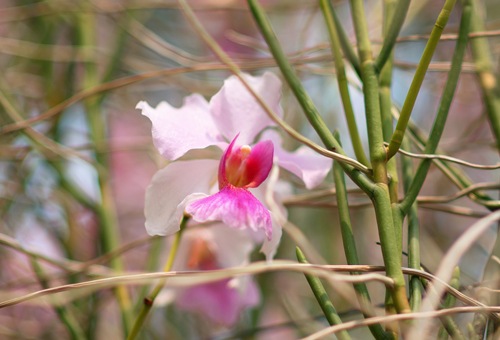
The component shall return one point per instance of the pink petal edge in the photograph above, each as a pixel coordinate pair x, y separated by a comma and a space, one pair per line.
235, 207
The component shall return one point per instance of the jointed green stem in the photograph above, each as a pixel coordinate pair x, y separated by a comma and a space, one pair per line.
350, 251
418, 78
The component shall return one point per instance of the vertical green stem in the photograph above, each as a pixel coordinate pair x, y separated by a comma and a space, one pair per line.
392, 29
416, 289
322, 298
342, 82
418, 78
350, 251
150, 299
380, 195
370, 91
106, 211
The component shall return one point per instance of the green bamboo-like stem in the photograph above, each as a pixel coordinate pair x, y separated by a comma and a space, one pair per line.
350, 251
390, 248
67, 318
342, 82
305, 101
415, 285
450, 327
444, 107
370, 91
380, 196
385, 80
150, 299
485, 72
106, 211
393, 27
418, 78
345, 43
322, 297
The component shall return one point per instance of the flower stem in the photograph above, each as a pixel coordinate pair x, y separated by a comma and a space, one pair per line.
335, 45
149, 300
418, 78
322, 298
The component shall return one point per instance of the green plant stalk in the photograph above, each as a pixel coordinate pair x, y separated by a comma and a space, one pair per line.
345, 43
450, 327
305, 101
485, 71
385, 80
67, 318
322, 297
444, 107
392, 29
152, 263
370, 91
342, 82
150, 299
350, 251
106, 211
418, 78
415, 285
380, 196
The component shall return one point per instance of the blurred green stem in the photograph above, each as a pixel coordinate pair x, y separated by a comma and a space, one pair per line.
106, 211
485, 71
67, 318
335, 45
322, 297
150, 299
450, 327
418, 78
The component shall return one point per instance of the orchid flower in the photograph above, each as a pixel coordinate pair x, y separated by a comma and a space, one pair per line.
232, 116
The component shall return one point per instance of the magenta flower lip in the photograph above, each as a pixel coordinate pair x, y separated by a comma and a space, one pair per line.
240, 168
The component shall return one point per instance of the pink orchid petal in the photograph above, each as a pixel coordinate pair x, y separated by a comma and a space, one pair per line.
249, 170
304, 163
235, 207
235, 110
220, 300
165, 195
177, 130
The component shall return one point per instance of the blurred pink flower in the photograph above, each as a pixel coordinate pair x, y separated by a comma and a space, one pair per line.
212, 248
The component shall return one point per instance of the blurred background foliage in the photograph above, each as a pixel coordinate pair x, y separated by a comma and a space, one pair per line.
72, 180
